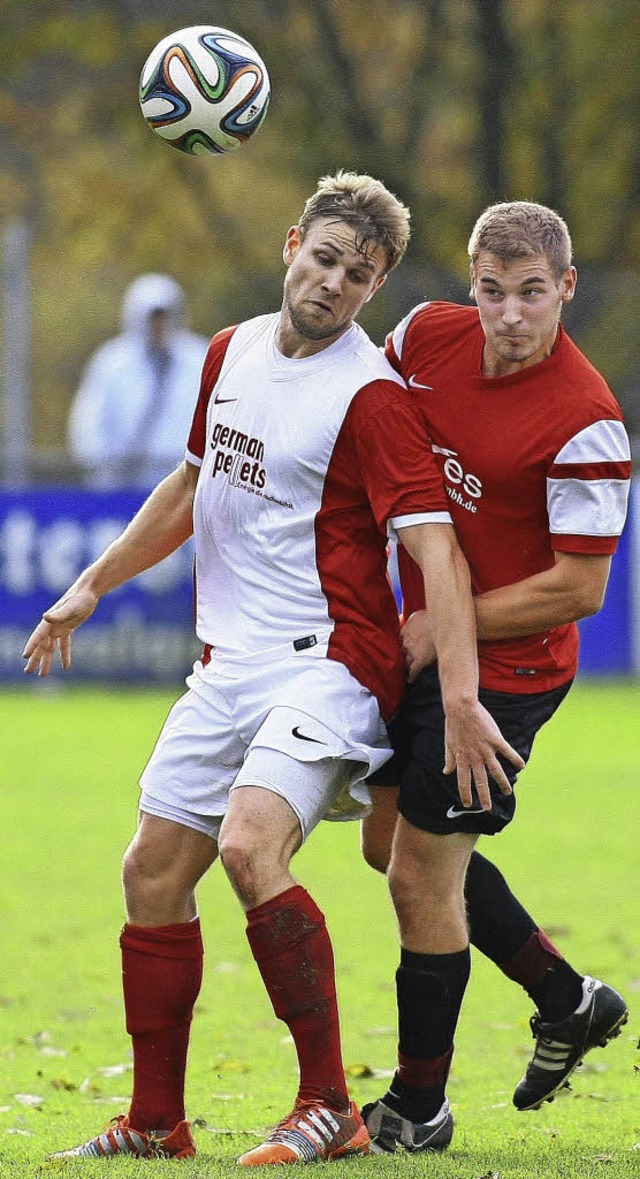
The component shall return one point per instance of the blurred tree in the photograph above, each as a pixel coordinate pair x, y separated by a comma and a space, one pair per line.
454, 103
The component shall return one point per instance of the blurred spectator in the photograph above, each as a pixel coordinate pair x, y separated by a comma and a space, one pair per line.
133, 409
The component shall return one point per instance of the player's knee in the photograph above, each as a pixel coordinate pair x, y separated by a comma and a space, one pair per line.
405, 888
145, 872
137, 872
243, 859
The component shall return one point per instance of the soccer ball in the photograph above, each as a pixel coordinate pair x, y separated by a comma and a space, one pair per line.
204, 89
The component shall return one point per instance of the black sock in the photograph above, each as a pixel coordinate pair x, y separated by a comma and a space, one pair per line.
559, 993
498, 924
503, 931
430, 989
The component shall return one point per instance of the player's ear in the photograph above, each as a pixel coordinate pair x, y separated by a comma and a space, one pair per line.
378, 283
472, 276
568, 284
291, 245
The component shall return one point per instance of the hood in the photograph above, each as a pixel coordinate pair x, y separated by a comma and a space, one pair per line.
148, 293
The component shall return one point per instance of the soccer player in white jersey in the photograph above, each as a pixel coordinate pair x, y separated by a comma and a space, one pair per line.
536, 465
305, 450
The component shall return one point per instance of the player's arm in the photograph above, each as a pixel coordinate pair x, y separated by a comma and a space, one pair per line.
472, 739
162, 524
572, 589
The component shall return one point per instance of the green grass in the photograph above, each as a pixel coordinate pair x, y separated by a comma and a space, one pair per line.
68, 774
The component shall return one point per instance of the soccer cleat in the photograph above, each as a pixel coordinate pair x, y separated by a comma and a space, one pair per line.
390, 1132
311, 1134
120, 1138
560, 1046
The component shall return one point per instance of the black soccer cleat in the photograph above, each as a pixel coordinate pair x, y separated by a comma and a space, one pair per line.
390, 1132
560, 1046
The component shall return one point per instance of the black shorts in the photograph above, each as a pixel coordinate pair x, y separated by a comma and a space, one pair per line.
429, 799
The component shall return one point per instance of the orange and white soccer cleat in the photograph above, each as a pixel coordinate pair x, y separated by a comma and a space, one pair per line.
120, 1138
311, 1134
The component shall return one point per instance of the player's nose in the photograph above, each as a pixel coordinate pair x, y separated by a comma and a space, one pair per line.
512, 311
333, 282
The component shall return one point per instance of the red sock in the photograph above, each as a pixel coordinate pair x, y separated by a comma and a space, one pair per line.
532, 961
291, 946
161, 978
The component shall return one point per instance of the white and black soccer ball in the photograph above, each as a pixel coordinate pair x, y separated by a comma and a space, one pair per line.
204, 89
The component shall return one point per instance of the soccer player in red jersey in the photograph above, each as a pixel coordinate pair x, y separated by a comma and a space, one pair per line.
536, 465
304, 452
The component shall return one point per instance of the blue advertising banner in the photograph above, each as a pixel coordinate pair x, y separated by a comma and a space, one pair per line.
609, 639
142, 631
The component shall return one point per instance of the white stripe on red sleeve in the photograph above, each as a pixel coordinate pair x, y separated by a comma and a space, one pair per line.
417, 518
588, 484
395, 339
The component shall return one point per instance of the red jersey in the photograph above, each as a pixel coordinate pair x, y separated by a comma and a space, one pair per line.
533, 463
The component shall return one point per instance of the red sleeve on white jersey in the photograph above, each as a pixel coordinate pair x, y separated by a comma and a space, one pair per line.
588, 489
392, 451
210, 373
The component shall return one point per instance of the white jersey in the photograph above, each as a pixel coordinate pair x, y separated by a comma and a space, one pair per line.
305, 466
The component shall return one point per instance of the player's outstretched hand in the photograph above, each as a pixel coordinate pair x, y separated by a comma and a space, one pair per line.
54, 630
472, 742
417, 643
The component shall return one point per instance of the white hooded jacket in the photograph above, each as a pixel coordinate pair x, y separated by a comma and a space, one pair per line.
128, 425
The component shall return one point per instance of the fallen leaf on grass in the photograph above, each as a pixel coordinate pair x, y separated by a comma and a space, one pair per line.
39, 1039
593, 1066
109, 1101
63, 1082
115, 1070
358, 1071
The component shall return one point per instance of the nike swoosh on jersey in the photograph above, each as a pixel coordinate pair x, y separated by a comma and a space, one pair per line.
303, 737
223, 400
452, 813
417, 384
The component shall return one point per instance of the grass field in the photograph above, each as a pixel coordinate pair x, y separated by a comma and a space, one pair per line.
68, 773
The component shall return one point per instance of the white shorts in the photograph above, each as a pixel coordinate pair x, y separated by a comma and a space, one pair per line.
298, 724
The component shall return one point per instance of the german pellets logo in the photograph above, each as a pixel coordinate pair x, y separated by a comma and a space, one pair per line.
238, 456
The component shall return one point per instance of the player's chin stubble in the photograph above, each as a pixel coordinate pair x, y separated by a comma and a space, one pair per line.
310, 330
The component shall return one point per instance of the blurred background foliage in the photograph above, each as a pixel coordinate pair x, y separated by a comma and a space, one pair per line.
453, 103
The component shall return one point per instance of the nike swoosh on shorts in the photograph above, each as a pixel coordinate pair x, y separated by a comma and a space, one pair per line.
302, 737
452, 813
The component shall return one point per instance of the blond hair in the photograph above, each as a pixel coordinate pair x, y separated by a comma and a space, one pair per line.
522, 229
378, 217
